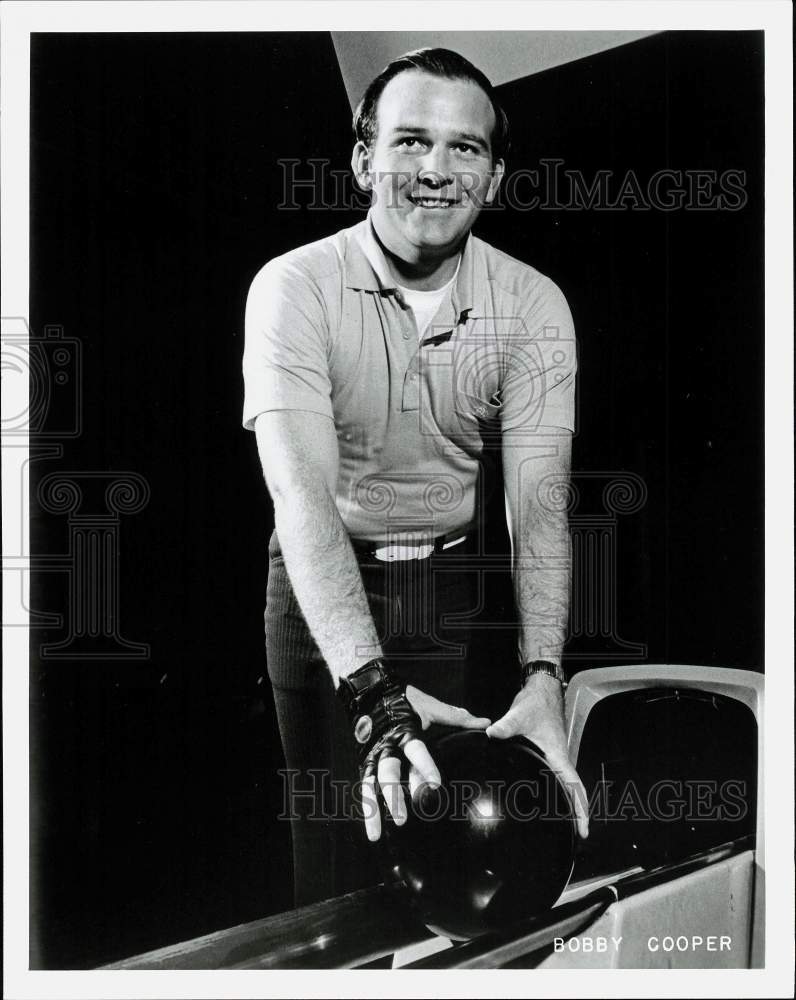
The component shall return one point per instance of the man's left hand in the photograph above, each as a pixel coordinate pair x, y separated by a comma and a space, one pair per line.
537, 713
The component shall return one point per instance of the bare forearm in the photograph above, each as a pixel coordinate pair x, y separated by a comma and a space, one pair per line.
542, 584
325, 576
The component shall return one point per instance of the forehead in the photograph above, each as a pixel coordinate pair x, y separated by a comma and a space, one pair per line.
421, 99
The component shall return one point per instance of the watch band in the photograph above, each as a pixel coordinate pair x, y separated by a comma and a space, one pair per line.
544, 667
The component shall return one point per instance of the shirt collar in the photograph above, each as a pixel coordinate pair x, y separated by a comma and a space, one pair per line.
366, 268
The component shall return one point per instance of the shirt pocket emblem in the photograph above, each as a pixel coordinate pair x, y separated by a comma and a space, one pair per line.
471, 406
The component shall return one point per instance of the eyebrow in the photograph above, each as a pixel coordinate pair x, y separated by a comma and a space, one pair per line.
478, 140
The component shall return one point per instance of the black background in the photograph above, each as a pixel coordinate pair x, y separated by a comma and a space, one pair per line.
154, 194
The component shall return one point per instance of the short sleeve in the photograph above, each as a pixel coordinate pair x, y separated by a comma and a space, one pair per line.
285, 357
538, 388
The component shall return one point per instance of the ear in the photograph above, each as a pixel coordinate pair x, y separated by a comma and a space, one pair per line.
360, 164
494, 184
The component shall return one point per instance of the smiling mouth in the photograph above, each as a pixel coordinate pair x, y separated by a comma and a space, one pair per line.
434, 203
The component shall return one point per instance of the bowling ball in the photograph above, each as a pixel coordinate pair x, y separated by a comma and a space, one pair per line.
494, 844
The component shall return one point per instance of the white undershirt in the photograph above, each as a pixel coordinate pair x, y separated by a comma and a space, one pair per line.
424, 305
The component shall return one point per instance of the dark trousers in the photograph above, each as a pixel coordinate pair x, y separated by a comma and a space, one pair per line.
424, 611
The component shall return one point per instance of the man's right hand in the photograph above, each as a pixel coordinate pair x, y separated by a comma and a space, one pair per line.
387, 719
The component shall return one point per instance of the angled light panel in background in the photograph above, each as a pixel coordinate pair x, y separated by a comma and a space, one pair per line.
503, 55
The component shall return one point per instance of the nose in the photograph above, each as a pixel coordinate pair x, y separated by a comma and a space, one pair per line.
435, 169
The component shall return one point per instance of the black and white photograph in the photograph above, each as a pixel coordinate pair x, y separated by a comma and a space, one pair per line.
397, 499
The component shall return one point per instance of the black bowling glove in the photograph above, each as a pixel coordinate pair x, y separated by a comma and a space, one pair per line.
382, 719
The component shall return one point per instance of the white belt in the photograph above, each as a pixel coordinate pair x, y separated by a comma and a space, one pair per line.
397, 553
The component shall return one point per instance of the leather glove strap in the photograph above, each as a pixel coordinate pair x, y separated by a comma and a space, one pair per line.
382, 719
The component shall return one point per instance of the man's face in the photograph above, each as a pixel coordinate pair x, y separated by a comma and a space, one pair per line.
430, 168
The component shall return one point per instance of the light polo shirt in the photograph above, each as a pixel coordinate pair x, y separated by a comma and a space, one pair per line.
328, 331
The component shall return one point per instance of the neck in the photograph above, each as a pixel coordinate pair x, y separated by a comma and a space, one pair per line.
421, 273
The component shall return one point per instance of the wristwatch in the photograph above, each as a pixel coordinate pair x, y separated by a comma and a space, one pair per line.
545, 667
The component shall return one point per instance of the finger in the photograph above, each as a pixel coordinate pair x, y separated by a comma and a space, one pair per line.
389, 778
417, 784
466, 720
419, 701
504, 728
431, 709
576, 793
370, 808
416, 781
417, 753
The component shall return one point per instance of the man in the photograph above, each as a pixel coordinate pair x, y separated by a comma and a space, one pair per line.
377, 364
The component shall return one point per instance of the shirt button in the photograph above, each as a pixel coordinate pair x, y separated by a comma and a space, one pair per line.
406, 335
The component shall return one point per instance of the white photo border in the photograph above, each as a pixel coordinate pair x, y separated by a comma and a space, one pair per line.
774, 17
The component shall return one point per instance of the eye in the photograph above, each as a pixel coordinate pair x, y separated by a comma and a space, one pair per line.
410, 142
465, 147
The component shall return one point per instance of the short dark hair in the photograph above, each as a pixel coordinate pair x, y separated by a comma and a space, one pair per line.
437, 62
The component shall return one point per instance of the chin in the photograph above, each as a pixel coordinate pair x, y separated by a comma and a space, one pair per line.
436, 237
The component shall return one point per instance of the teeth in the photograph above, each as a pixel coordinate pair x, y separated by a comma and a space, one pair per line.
433, 202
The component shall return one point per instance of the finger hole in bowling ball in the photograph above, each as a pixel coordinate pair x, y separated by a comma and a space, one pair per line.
494, 844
